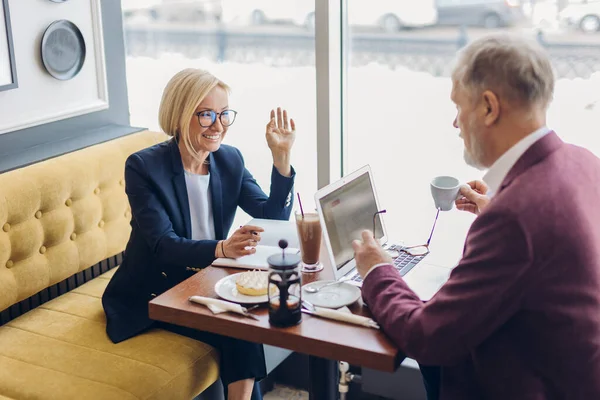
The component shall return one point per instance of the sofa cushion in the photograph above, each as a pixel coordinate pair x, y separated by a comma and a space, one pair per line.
60, 350
63, 215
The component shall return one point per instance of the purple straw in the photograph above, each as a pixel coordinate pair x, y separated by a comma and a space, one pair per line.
300, 202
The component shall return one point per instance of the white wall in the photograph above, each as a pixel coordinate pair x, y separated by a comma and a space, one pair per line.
40, 98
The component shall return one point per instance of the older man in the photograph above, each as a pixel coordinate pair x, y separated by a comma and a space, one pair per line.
519, 317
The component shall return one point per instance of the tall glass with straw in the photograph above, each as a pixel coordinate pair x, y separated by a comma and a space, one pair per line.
309, 236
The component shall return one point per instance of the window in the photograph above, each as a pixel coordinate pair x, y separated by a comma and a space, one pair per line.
390, 99
263, 50
398, 109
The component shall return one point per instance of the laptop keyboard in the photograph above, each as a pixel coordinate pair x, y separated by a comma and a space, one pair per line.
403, 263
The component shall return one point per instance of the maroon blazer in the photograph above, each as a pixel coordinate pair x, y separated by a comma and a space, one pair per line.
519, 317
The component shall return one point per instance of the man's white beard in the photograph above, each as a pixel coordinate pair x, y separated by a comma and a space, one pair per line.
471, 161
471, 156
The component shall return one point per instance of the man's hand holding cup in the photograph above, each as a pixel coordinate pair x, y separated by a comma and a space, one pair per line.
474, 198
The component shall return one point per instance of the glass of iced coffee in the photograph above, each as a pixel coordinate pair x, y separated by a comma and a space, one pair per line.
309, 235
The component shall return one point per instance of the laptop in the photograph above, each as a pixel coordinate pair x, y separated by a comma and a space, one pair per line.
349, 206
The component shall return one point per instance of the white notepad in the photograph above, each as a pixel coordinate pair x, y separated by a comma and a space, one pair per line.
276, 230
257, 260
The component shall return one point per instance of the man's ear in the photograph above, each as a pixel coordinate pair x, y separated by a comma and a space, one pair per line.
491, 105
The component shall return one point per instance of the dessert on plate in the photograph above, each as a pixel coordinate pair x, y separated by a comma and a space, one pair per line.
252, 283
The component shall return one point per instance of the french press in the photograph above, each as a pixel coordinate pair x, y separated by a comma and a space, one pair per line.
285, 302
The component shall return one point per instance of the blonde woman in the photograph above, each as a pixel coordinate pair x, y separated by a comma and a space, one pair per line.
183, 195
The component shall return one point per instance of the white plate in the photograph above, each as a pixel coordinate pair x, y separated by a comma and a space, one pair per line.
226, 289
334, 296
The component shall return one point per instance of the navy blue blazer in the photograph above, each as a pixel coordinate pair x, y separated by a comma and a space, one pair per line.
160, 252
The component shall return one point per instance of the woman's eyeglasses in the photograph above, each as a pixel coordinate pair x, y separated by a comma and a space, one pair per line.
207, 118
420, 250
375, 219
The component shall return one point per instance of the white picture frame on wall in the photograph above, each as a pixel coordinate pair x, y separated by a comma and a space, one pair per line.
8, 71
41, 98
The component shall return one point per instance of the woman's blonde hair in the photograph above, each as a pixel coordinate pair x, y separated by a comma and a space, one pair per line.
182, 95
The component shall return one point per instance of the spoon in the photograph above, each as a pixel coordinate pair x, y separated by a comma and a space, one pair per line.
313, 289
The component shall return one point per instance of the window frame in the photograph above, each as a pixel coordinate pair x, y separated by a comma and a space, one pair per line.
331, 66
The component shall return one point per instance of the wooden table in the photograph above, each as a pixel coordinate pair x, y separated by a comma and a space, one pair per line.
324, 341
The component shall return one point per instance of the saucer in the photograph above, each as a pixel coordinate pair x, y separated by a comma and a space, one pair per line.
334, 296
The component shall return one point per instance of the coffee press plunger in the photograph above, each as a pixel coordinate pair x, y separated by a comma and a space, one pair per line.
285, 302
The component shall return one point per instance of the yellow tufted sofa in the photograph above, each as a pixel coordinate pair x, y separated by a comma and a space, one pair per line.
57, 218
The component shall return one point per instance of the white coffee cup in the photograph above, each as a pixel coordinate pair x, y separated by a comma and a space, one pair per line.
445, 190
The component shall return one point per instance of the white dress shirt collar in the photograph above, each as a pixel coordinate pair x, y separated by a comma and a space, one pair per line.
498, 171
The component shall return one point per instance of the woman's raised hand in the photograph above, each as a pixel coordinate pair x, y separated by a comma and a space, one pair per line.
281, 135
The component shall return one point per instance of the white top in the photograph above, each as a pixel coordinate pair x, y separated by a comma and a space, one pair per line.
498, 171
201, 214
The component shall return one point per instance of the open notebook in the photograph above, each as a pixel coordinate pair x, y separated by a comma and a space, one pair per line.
257, 260
274, 231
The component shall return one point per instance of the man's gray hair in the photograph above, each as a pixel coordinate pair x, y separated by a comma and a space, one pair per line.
511, 66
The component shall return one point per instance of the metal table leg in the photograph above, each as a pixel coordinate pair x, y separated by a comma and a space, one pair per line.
323, 379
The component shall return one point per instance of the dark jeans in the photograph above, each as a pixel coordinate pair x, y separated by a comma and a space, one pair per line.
431, 380
239, 359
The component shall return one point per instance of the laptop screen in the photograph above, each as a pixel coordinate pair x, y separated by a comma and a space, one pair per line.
347, 211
